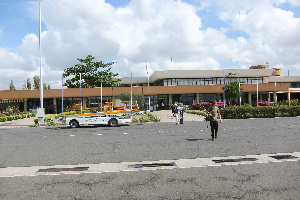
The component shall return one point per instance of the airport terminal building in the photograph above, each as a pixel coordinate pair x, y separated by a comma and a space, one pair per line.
166, 87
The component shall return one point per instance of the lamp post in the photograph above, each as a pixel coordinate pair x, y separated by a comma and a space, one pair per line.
101, 94
148, 86
62, 94
275, 99
131, 93
257, 92
240, 88
224, 89
289, 97
80, 97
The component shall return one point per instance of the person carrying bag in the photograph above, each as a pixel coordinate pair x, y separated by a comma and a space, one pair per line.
212, 115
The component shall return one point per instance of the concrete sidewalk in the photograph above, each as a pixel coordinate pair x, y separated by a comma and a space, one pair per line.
27, 122
167, 116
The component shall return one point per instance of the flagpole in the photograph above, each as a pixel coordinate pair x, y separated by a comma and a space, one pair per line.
257, 92
40, 47
240, 88
62, 95
41, 112
224, 89
130, 93
289, 98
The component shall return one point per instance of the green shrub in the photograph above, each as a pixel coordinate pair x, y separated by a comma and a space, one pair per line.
135, 120
195, 112
152, 118
9, 118
2, 119
146, 117
246, 111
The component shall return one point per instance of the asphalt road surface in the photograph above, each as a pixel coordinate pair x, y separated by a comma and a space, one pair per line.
250, 159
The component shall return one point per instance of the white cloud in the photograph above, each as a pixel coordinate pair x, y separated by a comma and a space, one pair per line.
151, 32
292, 2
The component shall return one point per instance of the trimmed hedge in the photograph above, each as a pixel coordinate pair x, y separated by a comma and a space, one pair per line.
247, 111
4, 118
242, 112
195, 112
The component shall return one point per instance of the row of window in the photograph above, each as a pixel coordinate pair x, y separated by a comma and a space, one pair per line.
209, 81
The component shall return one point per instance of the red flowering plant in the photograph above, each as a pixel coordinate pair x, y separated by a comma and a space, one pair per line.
265, 103
10, 111
201, 106
15, 111
196, 106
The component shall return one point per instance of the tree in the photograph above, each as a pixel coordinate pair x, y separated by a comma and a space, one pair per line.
136, 98
232, 90
11, 86
90, 75
28, 84
36, 82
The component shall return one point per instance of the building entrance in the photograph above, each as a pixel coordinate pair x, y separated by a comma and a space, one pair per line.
163, 102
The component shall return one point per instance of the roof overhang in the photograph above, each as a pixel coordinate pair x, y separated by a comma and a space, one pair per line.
193, 74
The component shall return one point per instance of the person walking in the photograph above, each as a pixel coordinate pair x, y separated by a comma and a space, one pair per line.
213, 113
177, 112
173, 110
181, 113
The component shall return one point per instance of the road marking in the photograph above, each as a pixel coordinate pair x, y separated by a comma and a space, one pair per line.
146, 165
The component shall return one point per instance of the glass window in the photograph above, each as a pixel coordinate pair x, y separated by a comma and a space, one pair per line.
206, 97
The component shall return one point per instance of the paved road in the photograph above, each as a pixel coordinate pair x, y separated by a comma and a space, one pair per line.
110, 154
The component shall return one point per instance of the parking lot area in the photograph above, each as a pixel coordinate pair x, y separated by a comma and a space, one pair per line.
251, 159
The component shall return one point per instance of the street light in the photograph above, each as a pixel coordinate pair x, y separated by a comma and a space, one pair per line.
62, 94
257, 92
224, 89
148, 86
101, 94
80, 97
289, 97
240, 88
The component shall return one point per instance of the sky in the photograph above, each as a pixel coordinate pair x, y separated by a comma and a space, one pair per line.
162, 34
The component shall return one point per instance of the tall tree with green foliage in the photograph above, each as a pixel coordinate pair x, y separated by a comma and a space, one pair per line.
11, 86
136, 98
90, 75
36, 82
232, 90
28, 84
